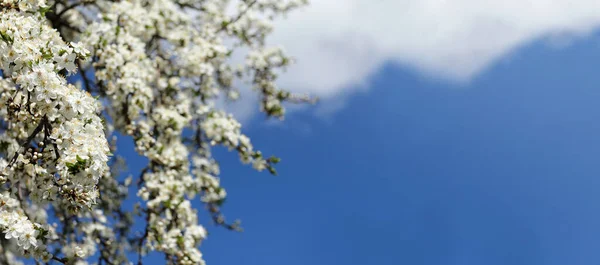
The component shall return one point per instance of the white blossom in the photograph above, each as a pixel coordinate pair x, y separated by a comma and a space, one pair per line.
152, 70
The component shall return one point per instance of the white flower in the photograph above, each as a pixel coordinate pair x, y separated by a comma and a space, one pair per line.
67, 61
28, 238
79, 48
159, 72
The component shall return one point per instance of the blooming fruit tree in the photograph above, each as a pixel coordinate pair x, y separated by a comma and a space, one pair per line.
76, 73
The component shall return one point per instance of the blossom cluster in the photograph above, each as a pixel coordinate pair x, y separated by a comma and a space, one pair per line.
41, 103
15, 224
76, 73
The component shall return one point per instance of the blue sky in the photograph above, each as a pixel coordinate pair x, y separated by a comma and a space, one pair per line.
502, 170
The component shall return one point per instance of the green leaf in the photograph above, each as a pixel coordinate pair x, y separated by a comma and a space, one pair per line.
78, 166
44, 10
6, 37
274, 159
272, 170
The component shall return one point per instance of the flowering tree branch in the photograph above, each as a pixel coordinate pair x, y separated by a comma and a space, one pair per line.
74, 73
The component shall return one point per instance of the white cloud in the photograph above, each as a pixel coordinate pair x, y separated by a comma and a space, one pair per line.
339, 43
